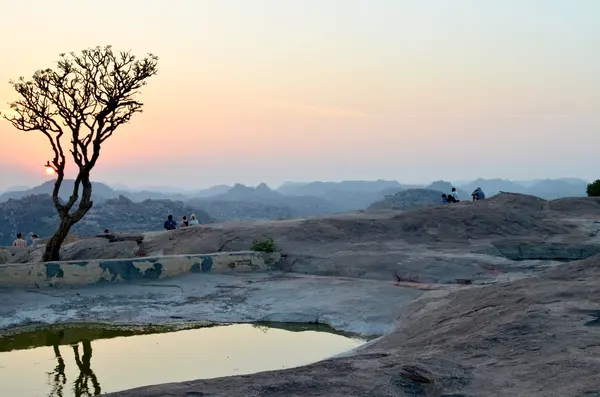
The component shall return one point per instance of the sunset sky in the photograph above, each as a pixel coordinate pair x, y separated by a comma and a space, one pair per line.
274, 90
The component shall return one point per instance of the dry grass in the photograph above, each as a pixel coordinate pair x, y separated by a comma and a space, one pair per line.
71, 238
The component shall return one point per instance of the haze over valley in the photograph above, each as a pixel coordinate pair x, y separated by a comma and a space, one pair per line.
122, 209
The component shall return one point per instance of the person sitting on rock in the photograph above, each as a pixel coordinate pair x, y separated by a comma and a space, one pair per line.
453, 197
19, 242
194, 220
170, 223
444, 198
478, 194
184, 222
29, 239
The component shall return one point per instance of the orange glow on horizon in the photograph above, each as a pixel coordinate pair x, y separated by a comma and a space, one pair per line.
49, 171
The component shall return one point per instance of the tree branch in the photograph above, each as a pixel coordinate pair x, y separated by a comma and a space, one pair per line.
88, 95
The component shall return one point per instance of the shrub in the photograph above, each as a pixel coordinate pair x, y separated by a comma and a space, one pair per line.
593, 189
261, 327
267, 245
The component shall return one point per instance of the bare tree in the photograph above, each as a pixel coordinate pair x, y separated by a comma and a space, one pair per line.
86, 99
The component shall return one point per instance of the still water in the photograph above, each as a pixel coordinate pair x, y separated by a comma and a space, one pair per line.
77, 362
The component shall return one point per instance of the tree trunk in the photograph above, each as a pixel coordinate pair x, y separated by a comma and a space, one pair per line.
52, 252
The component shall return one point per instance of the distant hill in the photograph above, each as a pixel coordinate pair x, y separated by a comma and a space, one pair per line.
493, 186
211, 191
408, 199
550, 189
36, 214
261, 202
144, 195
241, 192
446, 187
530, 182
320, 189
16, 188
100, 191
225, 210
301, 199
346, 195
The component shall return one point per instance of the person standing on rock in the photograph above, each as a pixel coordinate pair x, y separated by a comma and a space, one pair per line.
19, 242
170, 223
194, 220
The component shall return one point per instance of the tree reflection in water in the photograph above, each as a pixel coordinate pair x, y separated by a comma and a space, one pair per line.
58, 378
81, 386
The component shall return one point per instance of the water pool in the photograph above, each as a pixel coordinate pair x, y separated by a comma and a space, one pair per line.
79, 361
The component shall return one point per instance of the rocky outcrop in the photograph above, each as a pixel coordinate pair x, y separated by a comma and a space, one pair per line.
446, 187
36, 214
533, 337
439, 243
99, 247
408, 199
90, 248
519, 335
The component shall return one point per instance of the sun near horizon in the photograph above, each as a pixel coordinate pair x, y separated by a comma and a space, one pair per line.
269, 91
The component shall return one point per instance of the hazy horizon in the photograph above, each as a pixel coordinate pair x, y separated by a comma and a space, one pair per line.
187, 189
271, 91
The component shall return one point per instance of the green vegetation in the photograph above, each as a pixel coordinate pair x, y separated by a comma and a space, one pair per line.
266, 245
593, 189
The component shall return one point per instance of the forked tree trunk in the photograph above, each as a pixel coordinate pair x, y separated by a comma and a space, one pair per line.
67, 220
53, 245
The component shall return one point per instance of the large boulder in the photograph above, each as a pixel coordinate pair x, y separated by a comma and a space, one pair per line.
94, 248
4, 255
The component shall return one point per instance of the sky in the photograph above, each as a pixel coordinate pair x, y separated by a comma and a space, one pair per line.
301, 90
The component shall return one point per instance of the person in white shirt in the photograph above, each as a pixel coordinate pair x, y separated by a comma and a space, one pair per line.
455, 195
194, 220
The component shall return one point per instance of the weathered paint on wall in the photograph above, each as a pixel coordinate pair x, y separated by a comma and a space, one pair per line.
74, 273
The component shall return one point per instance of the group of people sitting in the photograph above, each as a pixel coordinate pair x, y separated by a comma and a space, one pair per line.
170, 224
20, 242
453, 196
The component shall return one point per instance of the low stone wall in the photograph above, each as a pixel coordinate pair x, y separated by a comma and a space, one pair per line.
73, 273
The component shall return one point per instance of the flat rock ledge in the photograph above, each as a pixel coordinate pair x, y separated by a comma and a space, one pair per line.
532, 337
